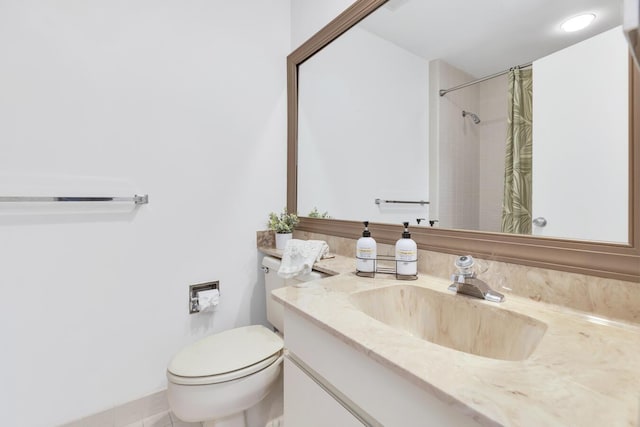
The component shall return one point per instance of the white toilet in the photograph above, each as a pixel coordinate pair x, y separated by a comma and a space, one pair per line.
216, 379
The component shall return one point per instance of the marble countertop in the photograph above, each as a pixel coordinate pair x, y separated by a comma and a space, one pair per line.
585, 371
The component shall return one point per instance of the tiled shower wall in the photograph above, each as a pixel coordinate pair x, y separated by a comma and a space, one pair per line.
467, 158
453, 159
492, 131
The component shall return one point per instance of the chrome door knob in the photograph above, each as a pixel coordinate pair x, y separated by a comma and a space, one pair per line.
540, 222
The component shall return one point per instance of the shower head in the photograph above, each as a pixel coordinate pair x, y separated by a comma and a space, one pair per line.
473, 116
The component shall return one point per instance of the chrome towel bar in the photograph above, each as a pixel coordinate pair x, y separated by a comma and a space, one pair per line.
418, 202
137, 199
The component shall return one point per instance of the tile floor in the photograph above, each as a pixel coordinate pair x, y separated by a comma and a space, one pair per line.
149, 411
163, 419
153, 411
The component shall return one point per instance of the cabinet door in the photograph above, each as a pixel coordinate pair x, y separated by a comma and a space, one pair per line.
306, 404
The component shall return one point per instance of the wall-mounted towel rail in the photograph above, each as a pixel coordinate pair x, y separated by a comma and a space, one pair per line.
411, 202
137, 199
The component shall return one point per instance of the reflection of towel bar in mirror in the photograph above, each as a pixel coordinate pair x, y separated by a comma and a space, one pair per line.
137, 199
411, 202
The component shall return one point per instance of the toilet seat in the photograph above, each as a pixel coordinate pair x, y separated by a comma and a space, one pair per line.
226, 356
229, 376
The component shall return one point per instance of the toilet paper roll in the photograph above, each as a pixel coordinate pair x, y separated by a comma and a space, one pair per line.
207, 300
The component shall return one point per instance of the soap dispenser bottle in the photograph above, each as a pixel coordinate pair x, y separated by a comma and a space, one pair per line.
406, 254
366, 251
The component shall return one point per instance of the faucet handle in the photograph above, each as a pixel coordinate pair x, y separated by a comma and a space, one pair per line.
464, 265
470, 267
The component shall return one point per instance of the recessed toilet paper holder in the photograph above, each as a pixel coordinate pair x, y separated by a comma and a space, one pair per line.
193, 293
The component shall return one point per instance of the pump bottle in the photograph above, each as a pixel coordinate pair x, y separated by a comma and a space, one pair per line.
406, 254
366, 251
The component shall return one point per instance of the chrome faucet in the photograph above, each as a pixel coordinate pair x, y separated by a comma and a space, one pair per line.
466, 282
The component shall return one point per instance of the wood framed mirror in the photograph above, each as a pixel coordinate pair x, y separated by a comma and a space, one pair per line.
612, 260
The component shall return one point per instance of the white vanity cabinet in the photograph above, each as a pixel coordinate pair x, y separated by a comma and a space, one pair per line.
376, 394
307, 404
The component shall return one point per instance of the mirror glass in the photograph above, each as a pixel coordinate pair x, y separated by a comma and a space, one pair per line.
541, 150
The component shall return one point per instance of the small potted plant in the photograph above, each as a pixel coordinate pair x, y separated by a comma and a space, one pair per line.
283, 225
315, 213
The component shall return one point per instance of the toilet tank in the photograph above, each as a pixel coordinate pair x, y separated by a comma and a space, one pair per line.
275, 309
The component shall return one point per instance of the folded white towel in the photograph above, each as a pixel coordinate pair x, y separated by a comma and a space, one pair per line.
300, 255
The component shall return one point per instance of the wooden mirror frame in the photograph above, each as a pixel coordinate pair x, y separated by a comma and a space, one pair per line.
616, 261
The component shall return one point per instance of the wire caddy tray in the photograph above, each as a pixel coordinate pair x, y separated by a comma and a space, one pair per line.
386, 264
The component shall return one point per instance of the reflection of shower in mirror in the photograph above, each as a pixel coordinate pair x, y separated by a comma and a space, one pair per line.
474, 116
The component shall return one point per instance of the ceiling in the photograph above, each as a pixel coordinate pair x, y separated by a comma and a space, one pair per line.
482, 37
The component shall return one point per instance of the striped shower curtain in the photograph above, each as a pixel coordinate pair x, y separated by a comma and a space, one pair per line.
516, 203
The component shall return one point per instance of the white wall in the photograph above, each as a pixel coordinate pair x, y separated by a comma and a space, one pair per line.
309, 16
580, 129
184, 101
351, 176
363, 130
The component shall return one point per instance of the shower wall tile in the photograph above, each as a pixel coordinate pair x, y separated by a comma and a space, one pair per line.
470, 156
492, 108
457, 141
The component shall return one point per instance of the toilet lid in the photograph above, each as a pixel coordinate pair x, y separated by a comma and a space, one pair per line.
225, 352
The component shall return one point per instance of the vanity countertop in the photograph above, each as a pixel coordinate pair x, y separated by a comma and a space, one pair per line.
585, 371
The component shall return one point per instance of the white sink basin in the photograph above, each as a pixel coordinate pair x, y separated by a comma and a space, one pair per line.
455, 321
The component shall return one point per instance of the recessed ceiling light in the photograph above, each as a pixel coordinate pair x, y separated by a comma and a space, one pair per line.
577, 22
